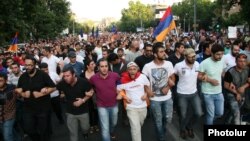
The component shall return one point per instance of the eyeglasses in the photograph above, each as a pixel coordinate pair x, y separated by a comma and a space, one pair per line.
149, 50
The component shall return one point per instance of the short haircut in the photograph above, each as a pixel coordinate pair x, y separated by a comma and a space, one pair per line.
120, 49
102, 60
156, 46
30, 57
15, 63
68, 68
48, 49
3, 75
112, 57
43, 65
240, 56
147, 45
216, 48
178, 45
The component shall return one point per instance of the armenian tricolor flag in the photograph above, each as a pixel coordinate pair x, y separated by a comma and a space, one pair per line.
165, 25
13, 46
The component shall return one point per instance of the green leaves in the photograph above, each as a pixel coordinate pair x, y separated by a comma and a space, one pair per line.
42, 18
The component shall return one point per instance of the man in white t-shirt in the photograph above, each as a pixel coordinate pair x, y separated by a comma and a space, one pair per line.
161, 75
229, 59
134, 95
187, 95
51, 60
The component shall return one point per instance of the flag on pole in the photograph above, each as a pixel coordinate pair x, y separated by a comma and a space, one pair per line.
13, 46
114, 29
81, 33
93, 31
165, 25
97, 32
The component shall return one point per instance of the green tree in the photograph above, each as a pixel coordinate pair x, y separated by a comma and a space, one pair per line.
204, 13
136, 15
39, 18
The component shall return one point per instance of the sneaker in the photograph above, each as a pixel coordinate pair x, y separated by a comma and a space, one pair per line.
183, 135
190, 133
112, 136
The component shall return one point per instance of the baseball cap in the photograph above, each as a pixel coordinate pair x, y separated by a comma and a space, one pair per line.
71, 54
131, 64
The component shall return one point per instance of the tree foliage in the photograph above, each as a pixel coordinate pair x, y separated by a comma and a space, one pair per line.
204, 13
135, 15
33, 19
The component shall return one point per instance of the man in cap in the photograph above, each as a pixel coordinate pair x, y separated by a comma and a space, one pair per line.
187, 94
78, 66
133, 93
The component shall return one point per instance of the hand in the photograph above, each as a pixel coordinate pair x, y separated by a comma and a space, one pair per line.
26, 94
171, 83
119, 97
89, 93
37, 94
232, 86
78, 102
144, 97
204, 78
165, 90
238, 97
44, 90
241, 90
18, 90
128, 100
214, 82
151, 94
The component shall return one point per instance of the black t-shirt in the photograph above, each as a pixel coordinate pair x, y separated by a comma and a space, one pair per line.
172, 58
36, 83
142, 60
73, 92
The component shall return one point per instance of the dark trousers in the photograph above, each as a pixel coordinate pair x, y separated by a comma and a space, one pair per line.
36, 125
56, 106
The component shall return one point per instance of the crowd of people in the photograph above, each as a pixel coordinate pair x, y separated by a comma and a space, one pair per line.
205, 76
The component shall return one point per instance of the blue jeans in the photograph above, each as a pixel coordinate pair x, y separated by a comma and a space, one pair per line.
185, 102
8, 131
108, 119
234, 112
214, 104
162, 112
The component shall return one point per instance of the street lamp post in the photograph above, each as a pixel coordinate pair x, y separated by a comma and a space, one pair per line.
195, 16
184, 27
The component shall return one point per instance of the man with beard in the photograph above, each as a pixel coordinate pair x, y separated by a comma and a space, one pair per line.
15, 75
229, 59
77, 91
35, 86
239, 77
104, 83
146, 57
187, 94
210, 73
161, 75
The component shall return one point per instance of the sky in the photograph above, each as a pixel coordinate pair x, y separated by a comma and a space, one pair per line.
98, 9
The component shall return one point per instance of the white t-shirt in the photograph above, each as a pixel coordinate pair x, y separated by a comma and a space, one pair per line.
187, 83
158, 76
229, 61
135, 90
55, 78
52, 62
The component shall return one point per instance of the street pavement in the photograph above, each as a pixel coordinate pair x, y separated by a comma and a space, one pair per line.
60, 132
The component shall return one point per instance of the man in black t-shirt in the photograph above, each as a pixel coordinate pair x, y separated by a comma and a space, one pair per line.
35, 86
77, 91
